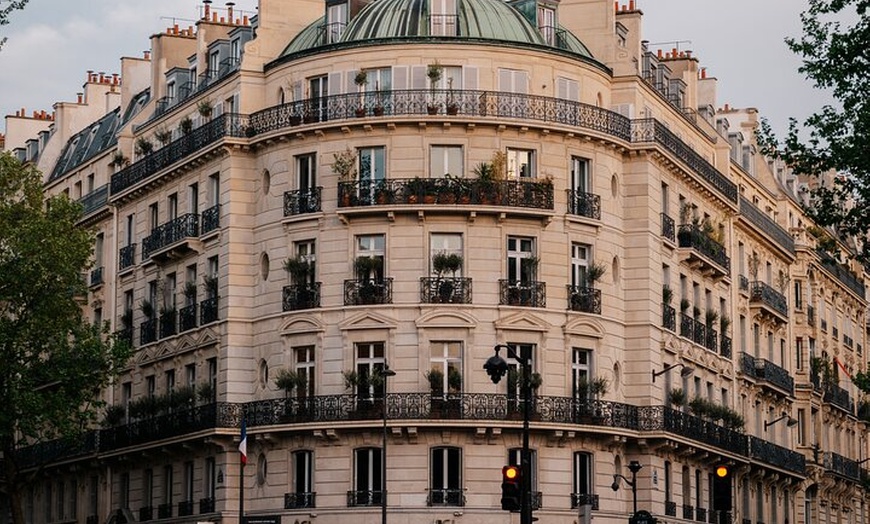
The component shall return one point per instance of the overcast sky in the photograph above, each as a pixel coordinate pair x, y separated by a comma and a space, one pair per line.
52, 43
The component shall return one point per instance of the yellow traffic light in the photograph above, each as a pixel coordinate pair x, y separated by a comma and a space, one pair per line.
722, 472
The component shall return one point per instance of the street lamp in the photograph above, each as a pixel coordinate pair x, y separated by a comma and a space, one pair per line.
384, 373
633, 466
686, 371
791, 421
496, 367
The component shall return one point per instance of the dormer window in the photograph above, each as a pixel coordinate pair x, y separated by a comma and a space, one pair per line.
336, 21
170, 90
547, 23
442, 18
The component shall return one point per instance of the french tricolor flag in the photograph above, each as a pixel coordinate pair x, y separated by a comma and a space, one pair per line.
243, 445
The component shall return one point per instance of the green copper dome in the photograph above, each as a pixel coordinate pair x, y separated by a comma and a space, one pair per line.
489, 20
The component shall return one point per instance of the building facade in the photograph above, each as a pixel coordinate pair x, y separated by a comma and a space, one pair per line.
289, 204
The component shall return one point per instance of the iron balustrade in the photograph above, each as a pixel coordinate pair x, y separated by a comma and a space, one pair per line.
302, 201
225, 125
300, 500
97, 276
839, 397
584, 204
445, 290
663, 418
687, 326
718, 516
211, 219
584, 299
711, 342
58, 449
767, 225
841, 273
445, 497
688, 512
692, 236
743, 283
127, 257
842, 466
95, 200
775, 455
148, 332
208, 310
767, 371
126, 335
187, 318
146, 513
584, 499
535, 194
519, 293
168, 323
701, 514
164, 235
185, 508
670, 508
364, 498
699, 330
725, 347
366, 292
301, 296
206, 505
669, 317
763, 293
164, 511
669, 230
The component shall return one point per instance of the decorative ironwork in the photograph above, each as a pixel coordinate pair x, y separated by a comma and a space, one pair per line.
725, 347
300, 202
701, 514
699, 332
767, 371
841, 273
126, 257
584, 204
97, 276
164, 511
663, 418
688, 512
584, 299
185, 226
669, 230
761, 292
687, 326
206, 505
227, 124
445, 290
208, 310
187, 318
300, 500
301, 296
211, 219
364, 498
584, 499
669, 317
670, 508
766, 225
446, 497
365, 292
517, 293
718, 516
743, 283
148, 332
777, 456
839, 397
126, 335
185, 508
167, 323
95, 200
842, 466
146, 513
711, 342
537, 501
692, 236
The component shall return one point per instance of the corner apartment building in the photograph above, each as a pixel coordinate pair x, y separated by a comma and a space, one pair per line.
308, 196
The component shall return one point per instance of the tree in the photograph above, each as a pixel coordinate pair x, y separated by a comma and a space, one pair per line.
54, 362
6, 8
836, 56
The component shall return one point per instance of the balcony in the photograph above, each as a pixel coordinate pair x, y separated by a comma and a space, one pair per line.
584, 499
701, 514
841, 273
688, 512
301, 296
445, 290
208, 311
146, 513
94, 201
168, 323
669, 317
364, 498
670, 508
367, 292
187, 318
718, 516
841, 466
777, 456
839, 397
185, 508
148, 332
711, 341
772, 303
811, 316
446, 497
687, 326
517, 293
725, 347
126, 335
743, 284
766, 226
127, 257
663, 418
206, 505
584, 204
96, 277
300, 500
211, 219
703, 253
669, 231
584, 299
767, 372
174, 239
302, 202
164, 511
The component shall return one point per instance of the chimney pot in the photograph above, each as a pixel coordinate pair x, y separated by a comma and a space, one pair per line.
631, 5
146, 55
245, 19
616, 6
206, 11
214, 17
230, 11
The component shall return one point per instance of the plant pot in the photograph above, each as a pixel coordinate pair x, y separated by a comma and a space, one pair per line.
360, 112
432, 109
452, 109
295, 120
378, 111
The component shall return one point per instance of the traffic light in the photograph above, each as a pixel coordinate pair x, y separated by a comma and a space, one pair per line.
511, 488
722, 489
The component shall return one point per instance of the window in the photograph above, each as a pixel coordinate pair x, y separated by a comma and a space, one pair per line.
687, 486
210, 479
567, 89
372, 171
446, 358
378, 81
307, 251
759, 502
153, 216
214, 189
445, 481
318, 91
445, 160
304, 360
99, 243
150, 386
211, 290
235, 49
306, 172
513, 81
303, 478
798, 295
698, 503
547, 24
801, 427
583, 479
336, 20
93, 495
212, 374
369, 363
367, 479
580, 182
170, 90
190, 285
520, 163
172, 206
514, 372
188, 481
190, 374
193, 198
442, 19
446, 244
131, 223
580, 255
169, 289
61, 500
148, 488
125, 490
581, 373
170, 380
521, 262
372, 246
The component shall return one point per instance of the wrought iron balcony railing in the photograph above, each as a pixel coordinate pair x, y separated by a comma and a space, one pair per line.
669, 317
185, 508
699, 332
300, 500
302, 201
701, 514
725, 347
536, 194
584, 299
445, 290
301, 296
148, 331
669, 230
146, 513
164, 511
97, 276
95, 200
206, 505
743, 283
687, 326
518, 293
711, 341
364, 498
126, 335
446, 497
718, 516
662, 418
841, 273
584, 204
165, 235
127, 257
366, 292
168, 323
839, 397
766, 225
227, 124
842, 466
211, 219
777, 456
688, 512
584, 499
767, 371
768, 297
692, 236
670, 508
187, 318
208, 310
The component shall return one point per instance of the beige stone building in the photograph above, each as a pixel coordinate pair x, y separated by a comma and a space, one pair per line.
288, 203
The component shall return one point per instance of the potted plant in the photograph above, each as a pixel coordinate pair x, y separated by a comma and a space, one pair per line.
211, 285
299, 268
344, 166
205, 108
127, 319
436, 382
433, 72
190, 292
368, 272
442, 263
119, 161
361, 79
143, 146
684, 305
114, 416
185, 126
454, 380
724, 323
667, 294
710, 318
677, 397
452, 107
205, 392
288, 380
163, 135
147, 308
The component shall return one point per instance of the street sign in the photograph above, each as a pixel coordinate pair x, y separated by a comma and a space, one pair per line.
263, 519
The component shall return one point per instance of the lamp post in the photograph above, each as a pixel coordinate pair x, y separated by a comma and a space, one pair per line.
496, 367
633, 466
385, 373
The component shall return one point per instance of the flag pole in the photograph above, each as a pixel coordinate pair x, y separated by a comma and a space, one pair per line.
243, 452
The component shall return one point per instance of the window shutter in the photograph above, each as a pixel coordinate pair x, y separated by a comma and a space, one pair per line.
400, 77
350, 84
334, 80
469, 77
418, 77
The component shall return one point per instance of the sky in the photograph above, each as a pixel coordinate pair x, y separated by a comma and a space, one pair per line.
52, 43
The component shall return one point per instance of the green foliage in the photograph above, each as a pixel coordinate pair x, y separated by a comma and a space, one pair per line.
436, 380
289, 379
594, 272
834, 57
446, 263
53, 359
677, 397
344, 165
667, 294
6, 10
298, 268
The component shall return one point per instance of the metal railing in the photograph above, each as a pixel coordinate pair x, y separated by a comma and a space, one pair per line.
522, 293
584, 204
725, 347
669, 230
359, 292
211, 219
770, 453
164, 511
148, 332
842, 466
96, 276
670, 508
300, 500
445, 290
95, 200
185, 508
584, 499
206, 505
766, 225
127, 256
300, 202
301, 296
364, 498
445, 497
743, 283
208, 310
763, 293
841, 273
663, 418
187, 318
692, 236
168, 323
767, 371
669, 317
688, 512
687, 326
584, 299
185, 226
839, 397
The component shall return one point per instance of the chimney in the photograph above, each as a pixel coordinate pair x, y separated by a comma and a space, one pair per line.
230, 11
703, 73
631, 5
206, 9
146, 55
79, 97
